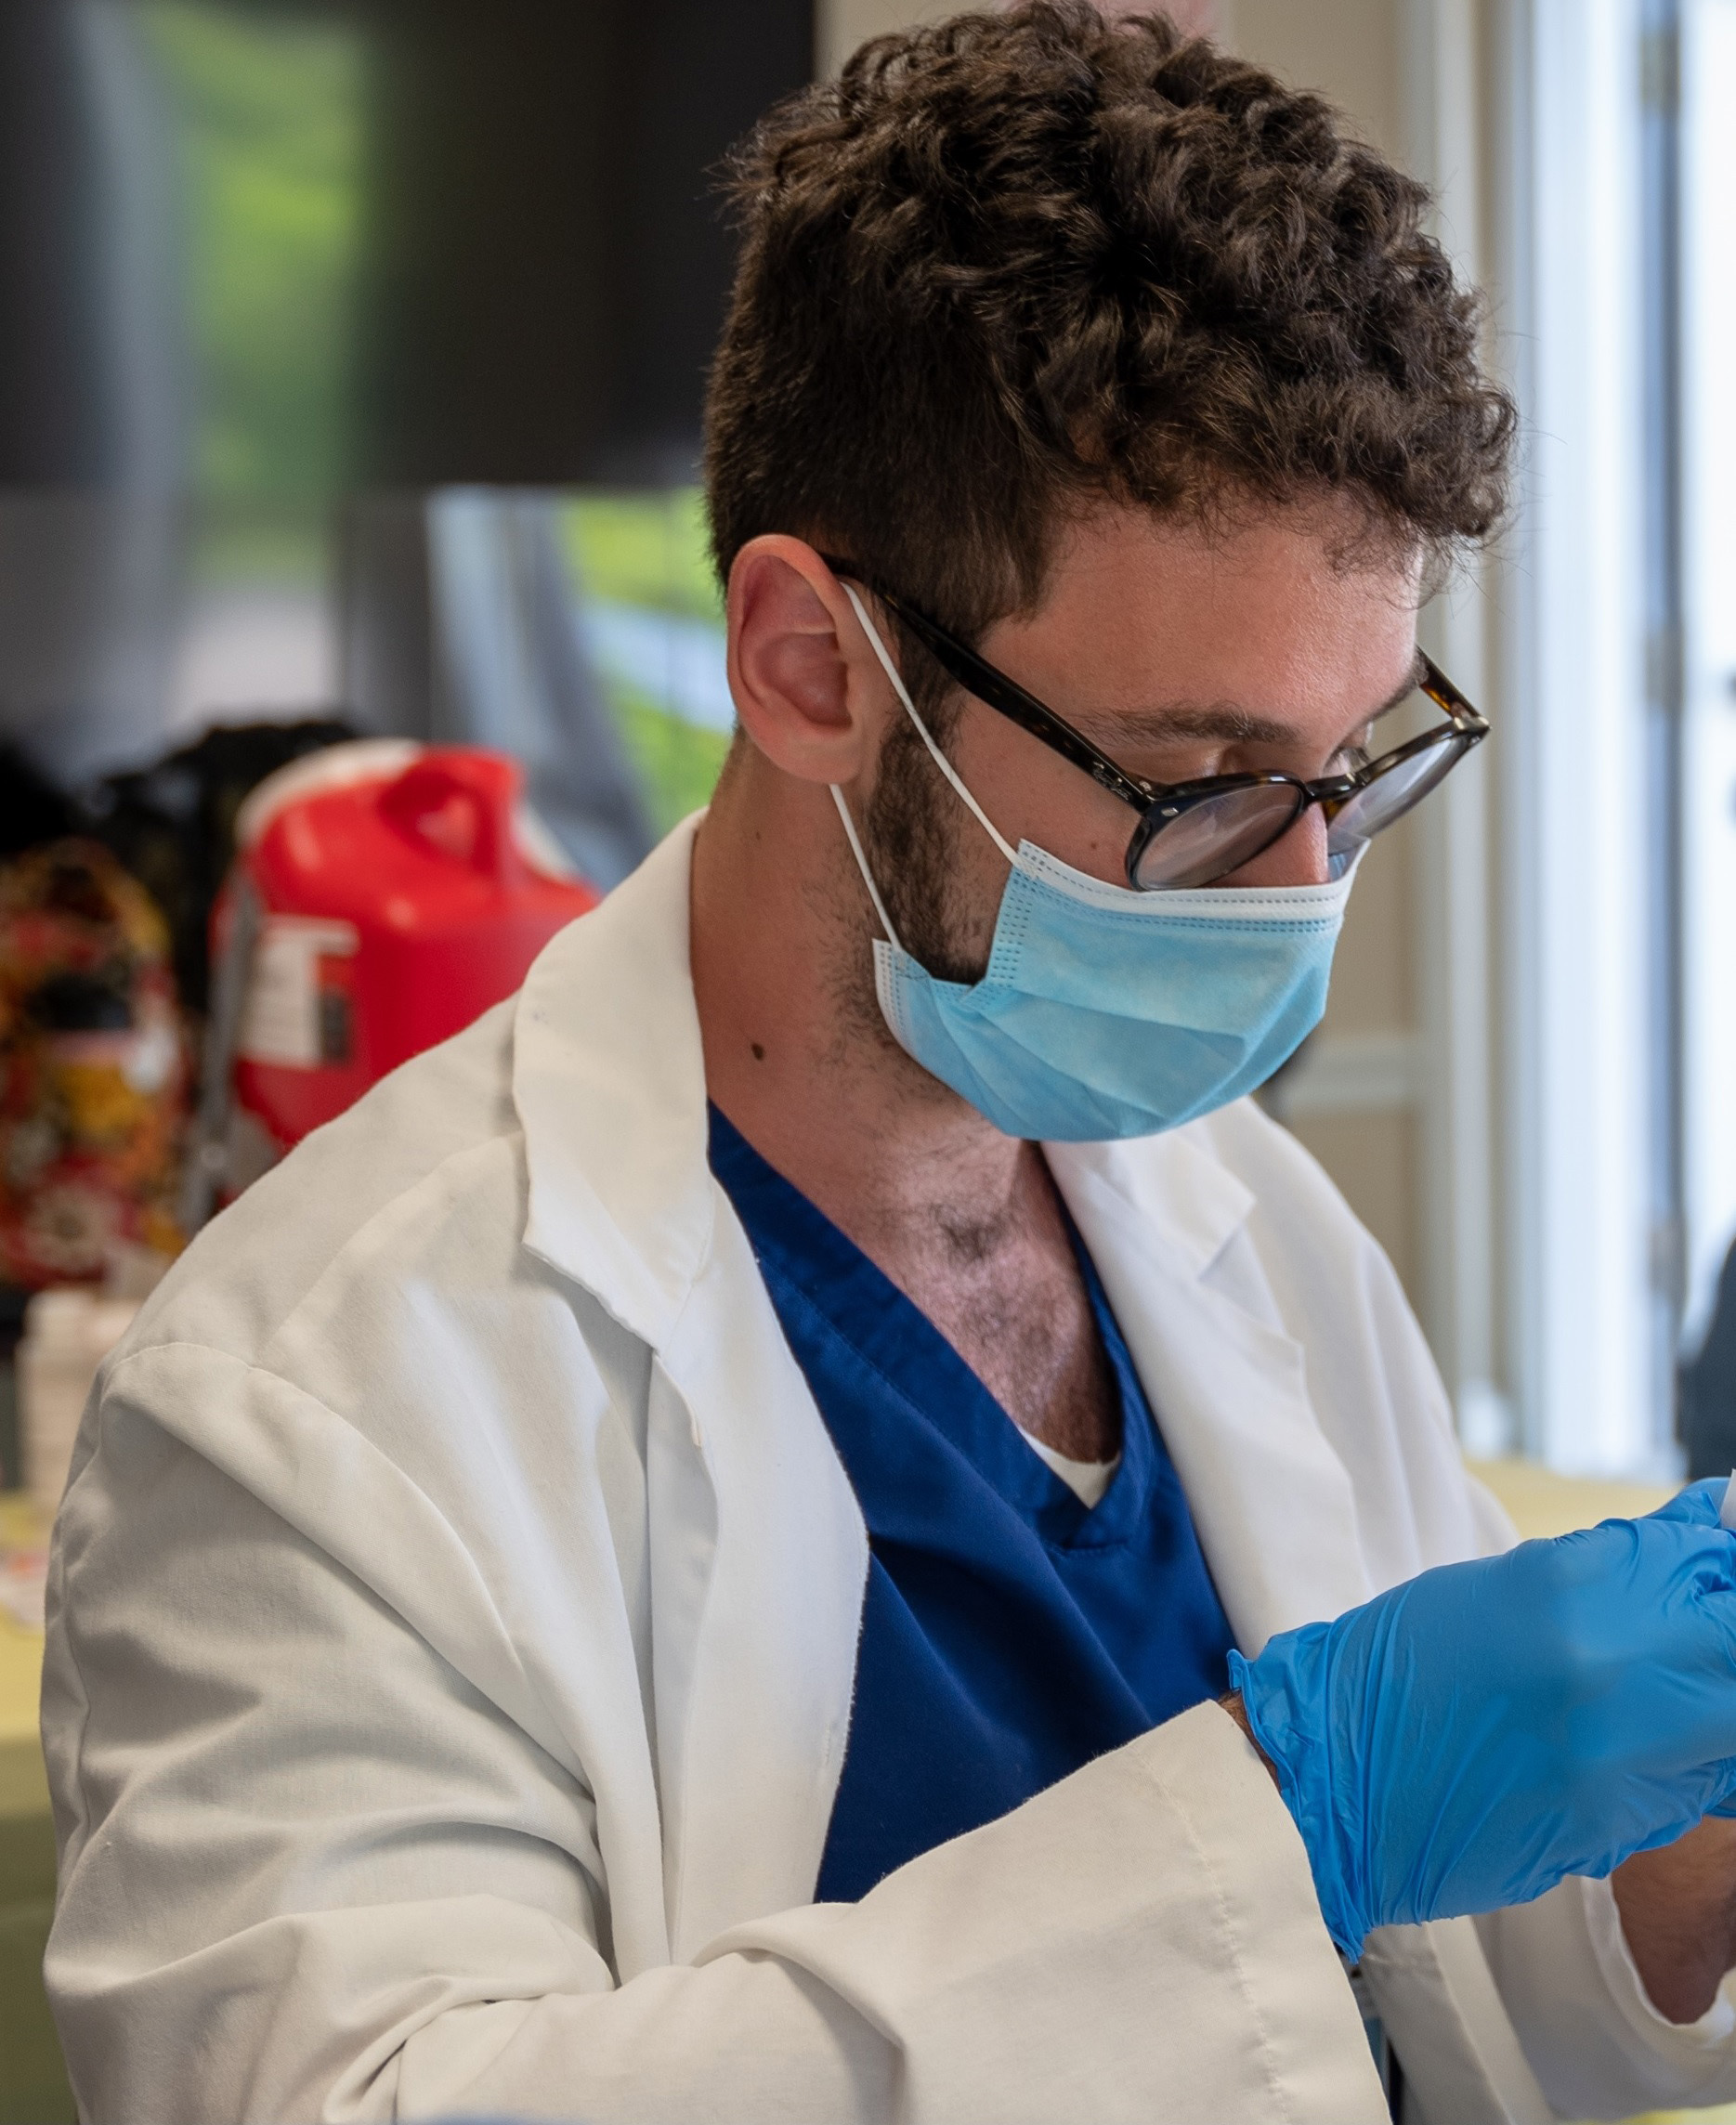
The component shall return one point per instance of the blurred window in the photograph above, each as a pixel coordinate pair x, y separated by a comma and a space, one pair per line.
267, 115
653, 620
1623, 773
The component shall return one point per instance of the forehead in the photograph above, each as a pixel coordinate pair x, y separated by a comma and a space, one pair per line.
1278, 612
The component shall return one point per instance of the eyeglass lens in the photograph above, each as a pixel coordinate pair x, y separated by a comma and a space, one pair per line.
1388, 796
1211, 838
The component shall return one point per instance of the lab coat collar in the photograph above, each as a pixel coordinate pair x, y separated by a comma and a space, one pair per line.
609, 1080
1273, 1505
1184, 1203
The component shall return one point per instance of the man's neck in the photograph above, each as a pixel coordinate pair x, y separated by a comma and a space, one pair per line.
964, 1220
796, 1052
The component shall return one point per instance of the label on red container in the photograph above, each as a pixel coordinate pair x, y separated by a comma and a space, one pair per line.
284, 1020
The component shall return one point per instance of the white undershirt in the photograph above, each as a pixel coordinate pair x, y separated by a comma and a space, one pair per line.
1086, 1479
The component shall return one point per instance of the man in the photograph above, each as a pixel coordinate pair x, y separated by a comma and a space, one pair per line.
682, 1562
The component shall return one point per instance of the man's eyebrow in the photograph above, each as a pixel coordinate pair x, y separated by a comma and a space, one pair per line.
1223, 720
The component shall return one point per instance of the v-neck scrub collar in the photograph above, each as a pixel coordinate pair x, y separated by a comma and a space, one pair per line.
1011, 1632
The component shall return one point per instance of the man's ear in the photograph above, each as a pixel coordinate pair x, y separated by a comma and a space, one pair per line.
807, 687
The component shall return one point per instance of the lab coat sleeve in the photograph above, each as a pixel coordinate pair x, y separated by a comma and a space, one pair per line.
312, 1871
1596, 2042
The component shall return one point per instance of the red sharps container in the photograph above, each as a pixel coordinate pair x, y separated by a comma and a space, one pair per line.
384, 895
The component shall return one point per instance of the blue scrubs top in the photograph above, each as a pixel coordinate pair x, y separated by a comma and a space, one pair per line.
1009, 1632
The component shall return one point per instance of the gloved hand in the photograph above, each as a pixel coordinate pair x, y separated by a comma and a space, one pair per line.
1469, 1738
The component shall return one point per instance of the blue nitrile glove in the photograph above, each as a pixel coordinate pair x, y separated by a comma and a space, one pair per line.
1471, 1737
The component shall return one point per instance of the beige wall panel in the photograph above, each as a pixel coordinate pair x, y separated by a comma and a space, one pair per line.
1373, 981
1373, 1158
1348, 49
841, 25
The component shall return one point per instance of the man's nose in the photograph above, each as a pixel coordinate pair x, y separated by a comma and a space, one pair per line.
1298, 857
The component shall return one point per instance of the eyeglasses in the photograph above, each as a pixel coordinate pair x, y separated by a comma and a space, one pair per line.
1194, 833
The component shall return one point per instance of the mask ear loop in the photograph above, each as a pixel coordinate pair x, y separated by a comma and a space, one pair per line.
862, 865
945, 765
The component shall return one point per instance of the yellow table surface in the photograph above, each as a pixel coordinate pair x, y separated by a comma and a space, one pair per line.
22, 1781
33, 2079
1541, 1503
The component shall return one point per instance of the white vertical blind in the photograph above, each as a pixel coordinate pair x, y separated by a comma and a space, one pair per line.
1708, 273
1577, 994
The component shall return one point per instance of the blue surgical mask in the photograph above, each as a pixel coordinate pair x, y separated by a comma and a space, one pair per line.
1106, 1013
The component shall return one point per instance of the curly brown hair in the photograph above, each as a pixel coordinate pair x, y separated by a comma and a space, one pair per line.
1011, 262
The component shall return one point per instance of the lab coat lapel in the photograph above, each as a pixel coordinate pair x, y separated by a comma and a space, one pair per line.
1271, 1500
752, 1772
758, 1552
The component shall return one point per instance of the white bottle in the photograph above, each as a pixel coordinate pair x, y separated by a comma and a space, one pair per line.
67, 1335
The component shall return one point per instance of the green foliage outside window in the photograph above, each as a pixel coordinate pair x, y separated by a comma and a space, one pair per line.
645, 549
647, 552
269, 115
268, 124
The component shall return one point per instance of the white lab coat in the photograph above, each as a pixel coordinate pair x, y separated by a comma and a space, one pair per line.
453, 1620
